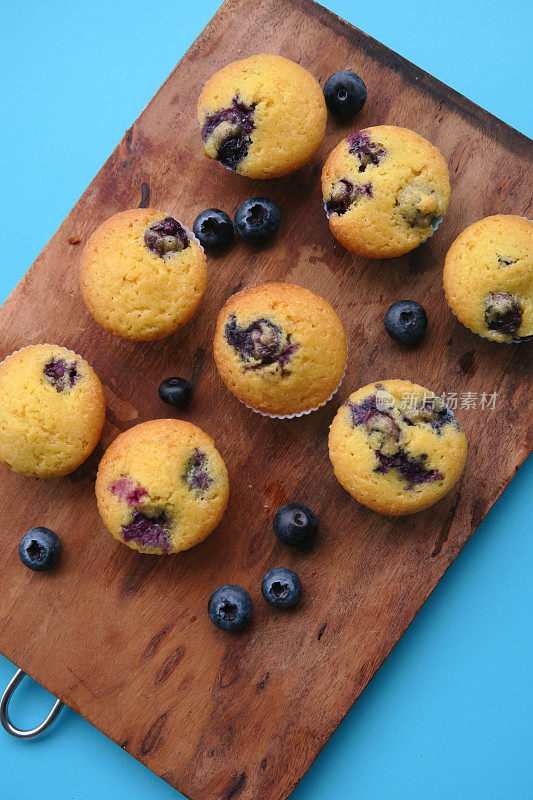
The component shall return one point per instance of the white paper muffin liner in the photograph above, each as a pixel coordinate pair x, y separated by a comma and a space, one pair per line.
191, 235
434, 225
487, 338
299, 413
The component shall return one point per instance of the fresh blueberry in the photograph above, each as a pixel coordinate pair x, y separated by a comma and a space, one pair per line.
230, 608
281, 587
257, 219
345, 94
175, 392
406, 321
39, 549
213, 228
296, 525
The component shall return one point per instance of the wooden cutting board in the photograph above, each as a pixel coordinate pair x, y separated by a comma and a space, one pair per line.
124, 639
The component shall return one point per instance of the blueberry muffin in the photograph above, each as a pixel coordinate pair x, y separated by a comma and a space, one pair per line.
396, 447
488, 278
51, 413
143, 275
262, 117
385, 190
162, 486
280, 349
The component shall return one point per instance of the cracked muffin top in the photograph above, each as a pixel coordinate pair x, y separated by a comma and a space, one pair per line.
52, 411
162, 486
143, 275
262, 117
396, 447
488, 278
385, 190
280, 348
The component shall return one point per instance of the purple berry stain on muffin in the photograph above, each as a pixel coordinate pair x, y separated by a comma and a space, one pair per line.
149, 529
232, 141
125, 489
262, 342
61, 374
433, 412
377, 420
364, 189
368, 152
286, 354
374, 419
166, 236
413, 470
503, 313
363, 411
196, 474
344, 194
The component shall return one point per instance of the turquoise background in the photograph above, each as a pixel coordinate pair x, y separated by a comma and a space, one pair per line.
450, 714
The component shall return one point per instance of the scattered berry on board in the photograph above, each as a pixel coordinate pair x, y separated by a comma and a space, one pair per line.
345, 94
175, 392
406, 321
281, 587
230, 608
213, 228
39, 549
257, 220
295, 525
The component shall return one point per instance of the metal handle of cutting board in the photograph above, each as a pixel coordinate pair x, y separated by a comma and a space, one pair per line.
32, 733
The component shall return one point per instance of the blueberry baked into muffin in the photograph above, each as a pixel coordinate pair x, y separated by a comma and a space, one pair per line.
280, 348
162, 486
488, 278
262, 117
52, 411
385, 190
396, 447
143, 274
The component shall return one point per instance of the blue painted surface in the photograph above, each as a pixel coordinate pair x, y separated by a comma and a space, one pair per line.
450, 714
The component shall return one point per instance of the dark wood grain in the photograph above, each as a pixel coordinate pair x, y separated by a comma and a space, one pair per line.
124, 639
